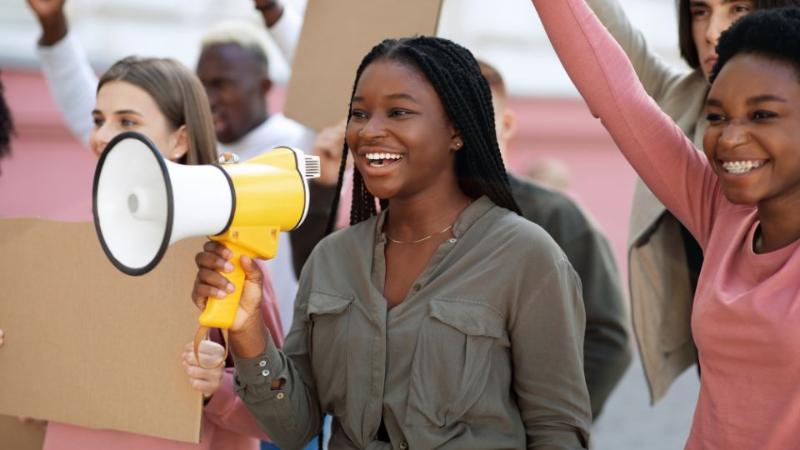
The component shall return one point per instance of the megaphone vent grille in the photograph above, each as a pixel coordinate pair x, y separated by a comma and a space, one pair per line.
312, 167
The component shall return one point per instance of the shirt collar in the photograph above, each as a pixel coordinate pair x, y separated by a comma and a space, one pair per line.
465, 220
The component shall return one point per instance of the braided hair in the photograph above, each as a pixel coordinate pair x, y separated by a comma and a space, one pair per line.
456, 77
6, 125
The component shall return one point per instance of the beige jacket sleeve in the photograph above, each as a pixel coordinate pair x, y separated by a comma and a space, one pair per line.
656, 75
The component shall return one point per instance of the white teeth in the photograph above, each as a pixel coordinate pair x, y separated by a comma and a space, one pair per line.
739, 167
377, 156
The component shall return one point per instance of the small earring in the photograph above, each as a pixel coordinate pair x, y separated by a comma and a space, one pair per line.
458, 144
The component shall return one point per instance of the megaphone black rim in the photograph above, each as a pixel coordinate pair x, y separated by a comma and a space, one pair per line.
135, 271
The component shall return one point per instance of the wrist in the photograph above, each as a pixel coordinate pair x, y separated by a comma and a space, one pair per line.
271, 10
249, 340
53, 30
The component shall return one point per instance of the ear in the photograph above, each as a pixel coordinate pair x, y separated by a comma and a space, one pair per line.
179, 143
509, 124
265, 85
456, 142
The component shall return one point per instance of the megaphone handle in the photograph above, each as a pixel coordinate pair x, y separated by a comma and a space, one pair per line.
220, 312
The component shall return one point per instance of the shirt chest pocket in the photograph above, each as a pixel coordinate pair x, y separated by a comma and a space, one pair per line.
328, 319
453, 361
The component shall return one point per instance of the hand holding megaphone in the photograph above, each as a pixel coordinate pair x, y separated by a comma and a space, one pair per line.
213, 264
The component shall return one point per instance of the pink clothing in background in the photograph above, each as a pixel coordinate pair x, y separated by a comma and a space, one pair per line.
747, 306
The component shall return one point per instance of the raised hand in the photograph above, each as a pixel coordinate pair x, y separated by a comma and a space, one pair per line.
328, 146
271, 10
50, 14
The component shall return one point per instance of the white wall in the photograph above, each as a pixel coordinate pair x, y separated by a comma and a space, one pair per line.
506, 33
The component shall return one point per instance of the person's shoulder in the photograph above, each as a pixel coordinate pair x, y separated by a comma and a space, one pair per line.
520, 237
554, 211
351, 239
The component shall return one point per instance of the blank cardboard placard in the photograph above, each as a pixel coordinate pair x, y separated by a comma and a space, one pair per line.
88, 345
15, 435
336, 35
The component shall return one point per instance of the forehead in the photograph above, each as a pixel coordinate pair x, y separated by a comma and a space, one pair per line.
748, 74
388, 77
122, 95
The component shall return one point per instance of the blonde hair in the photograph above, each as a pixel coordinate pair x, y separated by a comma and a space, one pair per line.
242, 34
179, 96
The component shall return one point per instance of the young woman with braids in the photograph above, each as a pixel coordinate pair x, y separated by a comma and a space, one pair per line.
445, 319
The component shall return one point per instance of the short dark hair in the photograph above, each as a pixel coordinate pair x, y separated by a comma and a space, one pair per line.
455, 75
685, 38
493, 77
6, 125
774, 34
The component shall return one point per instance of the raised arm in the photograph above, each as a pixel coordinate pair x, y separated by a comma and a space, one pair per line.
66, 69
284, 25
656, 148
655, 74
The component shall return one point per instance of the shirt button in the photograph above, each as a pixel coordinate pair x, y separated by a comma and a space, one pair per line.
280, 396
265, 373
262, 363
417, 287
452, 240
404, 445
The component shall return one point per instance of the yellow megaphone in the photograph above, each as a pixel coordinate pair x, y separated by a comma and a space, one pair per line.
142, 203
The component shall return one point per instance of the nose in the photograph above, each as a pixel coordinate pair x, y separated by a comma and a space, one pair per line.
373, 128
101, 137
733, 135
717, 24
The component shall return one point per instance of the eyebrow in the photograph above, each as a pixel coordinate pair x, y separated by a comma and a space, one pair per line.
750, 101
398, 96
119, 112
724, 2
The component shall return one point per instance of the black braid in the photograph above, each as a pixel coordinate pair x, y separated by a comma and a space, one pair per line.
465, 95
6, 125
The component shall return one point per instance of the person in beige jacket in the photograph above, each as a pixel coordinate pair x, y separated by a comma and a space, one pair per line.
664, 259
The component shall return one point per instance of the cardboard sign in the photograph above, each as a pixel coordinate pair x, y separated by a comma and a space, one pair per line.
20, 436
88, 345
336, 35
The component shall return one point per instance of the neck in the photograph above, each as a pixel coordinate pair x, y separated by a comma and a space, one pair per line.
780, 222
413, 218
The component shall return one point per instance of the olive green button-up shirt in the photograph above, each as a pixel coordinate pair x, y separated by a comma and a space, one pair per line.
485, 352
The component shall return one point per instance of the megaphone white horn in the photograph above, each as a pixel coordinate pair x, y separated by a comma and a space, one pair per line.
142, 203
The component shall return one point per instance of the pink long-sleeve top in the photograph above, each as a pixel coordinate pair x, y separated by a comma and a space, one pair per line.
747, 306
227, 425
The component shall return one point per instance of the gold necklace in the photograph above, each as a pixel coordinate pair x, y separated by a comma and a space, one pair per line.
447, 228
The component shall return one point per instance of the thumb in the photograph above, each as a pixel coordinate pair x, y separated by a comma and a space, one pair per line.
252, 272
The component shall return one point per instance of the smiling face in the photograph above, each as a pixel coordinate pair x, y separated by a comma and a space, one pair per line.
753, 137
401, 138
122, 106
709, 19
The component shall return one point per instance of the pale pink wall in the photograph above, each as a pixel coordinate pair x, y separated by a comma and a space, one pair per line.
49, 173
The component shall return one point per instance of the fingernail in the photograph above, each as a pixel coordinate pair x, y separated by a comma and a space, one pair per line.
227, 253
221, 294
231, 287
228, 267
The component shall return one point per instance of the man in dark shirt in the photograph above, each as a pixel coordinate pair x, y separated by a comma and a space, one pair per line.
606, 348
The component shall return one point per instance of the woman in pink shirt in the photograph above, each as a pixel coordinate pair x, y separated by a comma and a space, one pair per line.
740, 201
139, 94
